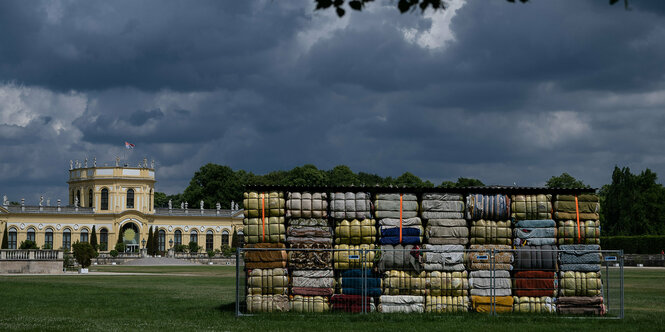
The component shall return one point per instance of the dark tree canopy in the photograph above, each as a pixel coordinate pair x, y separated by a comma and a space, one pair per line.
402, 5
462, 182
5, 243
565, 180
633, 204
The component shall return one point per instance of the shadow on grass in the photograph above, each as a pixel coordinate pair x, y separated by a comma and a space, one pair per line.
228, 307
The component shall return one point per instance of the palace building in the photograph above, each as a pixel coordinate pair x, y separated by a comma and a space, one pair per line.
117, 199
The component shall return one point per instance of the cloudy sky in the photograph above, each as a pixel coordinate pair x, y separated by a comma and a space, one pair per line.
507, 93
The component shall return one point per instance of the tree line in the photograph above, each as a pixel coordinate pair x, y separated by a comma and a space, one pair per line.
633, 204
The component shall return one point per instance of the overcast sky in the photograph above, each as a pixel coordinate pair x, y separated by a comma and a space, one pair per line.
507, 93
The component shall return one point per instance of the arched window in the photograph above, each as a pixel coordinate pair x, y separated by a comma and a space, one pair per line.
31, 234
130, 198
177, 237
78, 198
48, 239
161, 238
84, 235
225, 238
105, 199
209, 240
194, 236
66, 239
11, 238
104, 239
90, 202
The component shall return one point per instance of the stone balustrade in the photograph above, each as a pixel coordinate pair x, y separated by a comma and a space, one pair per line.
31, 255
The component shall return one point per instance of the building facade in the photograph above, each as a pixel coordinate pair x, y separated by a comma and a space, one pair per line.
117, 200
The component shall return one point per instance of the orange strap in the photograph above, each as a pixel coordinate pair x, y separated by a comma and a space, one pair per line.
263, 215
577, 211
400, 218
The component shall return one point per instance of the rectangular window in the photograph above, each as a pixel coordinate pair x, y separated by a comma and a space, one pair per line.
12, 240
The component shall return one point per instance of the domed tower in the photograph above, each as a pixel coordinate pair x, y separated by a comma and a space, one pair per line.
112, 189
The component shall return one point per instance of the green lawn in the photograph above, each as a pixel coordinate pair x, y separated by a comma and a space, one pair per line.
202, 298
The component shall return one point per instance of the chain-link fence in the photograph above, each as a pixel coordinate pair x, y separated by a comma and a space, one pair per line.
492, 279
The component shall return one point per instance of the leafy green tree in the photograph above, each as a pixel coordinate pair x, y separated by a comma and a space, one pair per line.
370, 180
565, 180
462, 182
93, 238
633, 204
155, 242
214, 183
408, 179
342, 175
149, 243
194, 247
161, 200
120, 236
28, 244
307, 175
5, 241
83, 253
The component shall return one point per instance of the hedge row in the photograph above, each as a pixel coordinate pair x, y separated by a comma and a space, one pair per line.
641, 244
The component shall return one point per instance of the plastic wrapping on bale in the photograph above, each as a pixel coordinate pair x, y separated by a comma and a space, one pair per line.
454, 284
442, 206
542, 258
306, 205
588, 233
441, 304
580, 257
267, 303
299, 303
268, 281
264, 259
404, 283
401, 303
488, 283
535, 283
443, 257
580, 283
491, 207
480, 257
502, 304
312, 282
491, 232
399, 257
351, 256
316, 256
396, 206
447, 231
535, 232
268, 230
531, 207
352, 303
258, 205
579, 305
529, 304
359, 282
350, 205
587, 207
355, 232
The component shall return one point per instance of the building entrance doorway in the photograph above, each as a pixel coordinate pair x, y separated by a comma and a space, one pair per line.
130, 237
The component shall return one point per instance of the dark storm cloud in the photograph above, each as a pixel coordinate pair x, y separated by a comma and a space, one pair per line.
518, 94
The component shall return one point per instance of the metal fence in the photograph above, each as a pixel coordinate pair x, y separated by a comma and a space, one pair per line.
524, 280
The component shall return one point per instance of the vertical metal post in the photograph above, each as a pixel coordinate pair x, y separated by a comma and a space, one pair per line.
492, 284
607, 273
621, 313
237, 281
363, 281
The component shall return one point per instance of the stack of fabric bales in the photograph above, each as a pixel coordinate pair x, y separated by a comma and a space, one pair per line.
400, 235
350, 206
535, 233
580, 285
267, 277
488, 262
447, 279
310, 263
264, 217
444, 214
578, 218
352, 303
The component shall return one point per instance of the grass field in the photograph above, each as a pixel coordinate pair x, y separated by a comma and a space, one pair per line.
202, 298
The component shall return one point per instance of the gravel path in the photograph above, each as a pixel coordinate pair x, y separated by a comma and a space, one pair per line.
157, 261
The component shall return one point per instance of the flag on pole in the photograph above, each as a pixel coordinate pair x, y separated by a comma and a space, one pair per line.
128, 145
